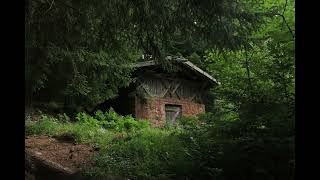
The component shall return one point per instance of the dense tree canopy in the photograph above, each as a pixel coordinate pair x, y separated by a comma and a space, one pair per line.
74, 47
77, 54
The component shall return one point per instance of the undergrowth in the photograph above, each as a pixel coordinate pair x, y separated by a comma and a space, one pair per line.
98, 130
203, 147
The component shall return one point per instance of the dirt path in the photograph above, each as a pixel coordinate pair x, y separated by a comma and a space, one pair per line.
67, 154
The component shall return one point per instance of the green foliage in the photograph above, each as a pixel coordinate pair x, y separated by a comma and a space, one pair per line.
64, 117
87, 134
88, 120
205, 147
76, 51
254, 109
249, 130
111, 120
98, 130
46, 125
262, 152
148, 154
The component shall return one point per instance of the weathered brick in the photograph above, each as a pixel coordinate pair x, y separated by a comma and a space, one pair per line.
154, 109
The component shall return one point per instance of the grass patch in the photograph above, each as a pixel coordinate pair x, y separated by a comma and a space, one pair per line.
203, 147
99, 130
149, 153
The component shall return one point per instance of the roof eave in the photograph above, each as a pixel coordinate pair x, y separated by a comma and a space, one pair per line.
182, 61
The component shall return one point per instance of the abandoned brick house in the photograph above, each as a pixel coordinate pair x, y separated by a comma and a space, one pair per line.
163, 97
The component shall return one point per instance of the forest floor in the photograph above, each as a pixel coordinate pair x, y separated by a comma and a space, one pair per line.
61, 151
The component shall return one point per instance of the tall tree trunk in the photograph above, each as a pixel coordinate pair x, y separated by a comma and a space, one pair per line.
248, 73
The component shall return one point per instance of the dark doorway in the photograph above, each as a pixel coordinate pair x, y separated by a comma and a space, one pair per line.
173, 112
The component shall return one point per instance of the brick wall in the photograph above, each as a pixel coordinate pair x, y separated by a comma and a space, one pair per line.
153, 109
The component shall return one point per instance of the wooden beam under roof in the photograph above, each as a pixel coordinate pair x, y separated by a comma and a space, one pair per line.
182, 61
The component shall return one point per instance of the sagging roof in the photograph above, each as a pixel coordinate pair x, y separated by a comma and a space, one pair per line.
182, 61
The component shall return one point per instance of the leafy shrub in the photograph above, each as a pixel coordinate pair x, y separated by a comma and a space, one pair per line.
190, 122
242, 148
46, 125
100, 116
63, 117
87, 134
87, 120
149, 153
111, 120
203, 147
98, 130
